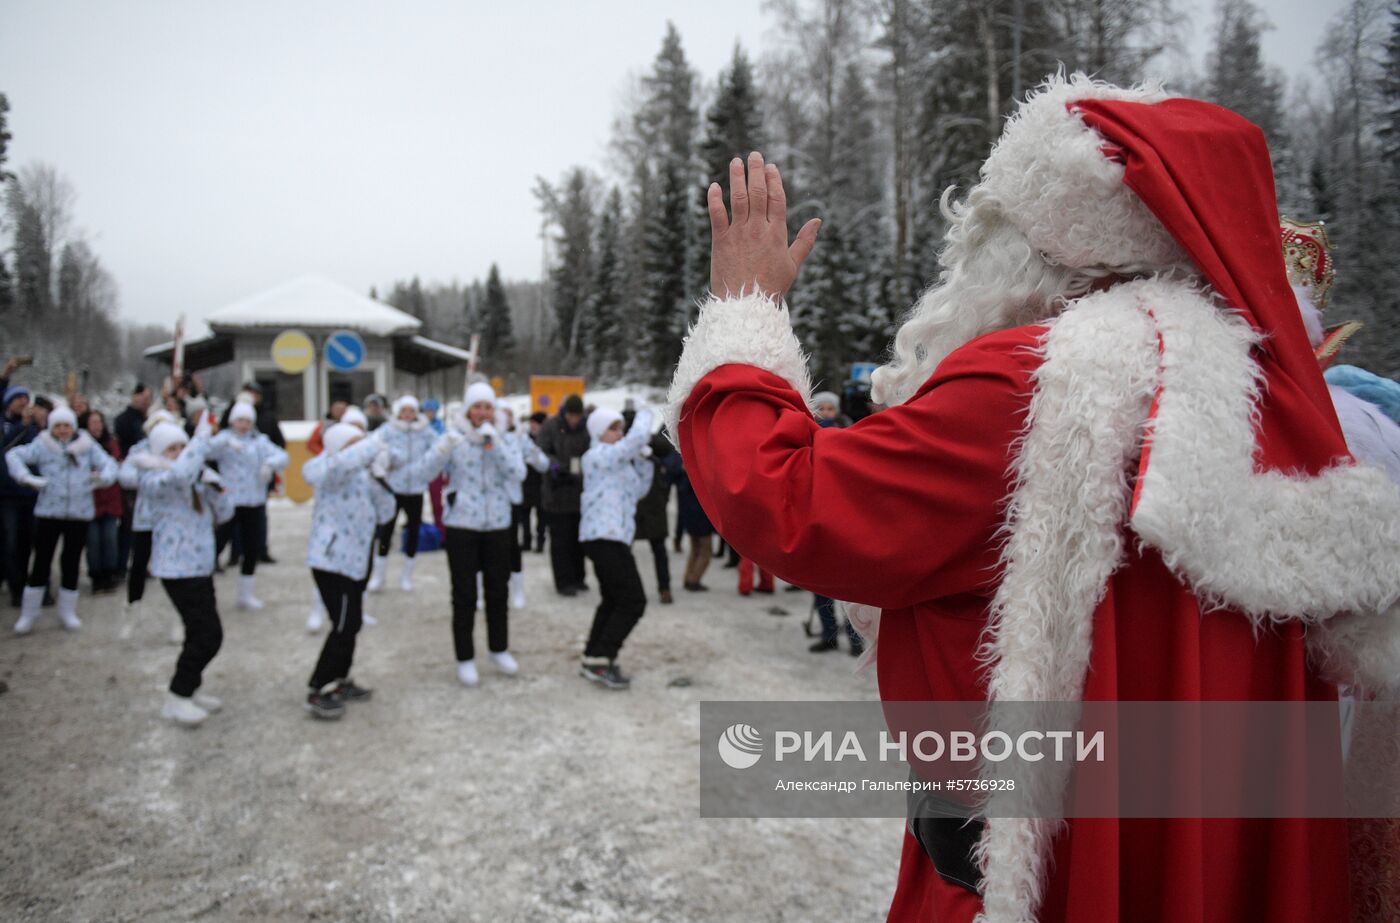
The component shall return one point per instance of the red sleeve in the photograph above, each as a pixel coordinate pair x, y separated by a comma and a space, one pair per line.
900, 508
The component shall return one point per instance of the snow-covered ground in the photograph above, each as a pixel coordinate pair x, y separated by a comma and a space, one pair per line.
527, 799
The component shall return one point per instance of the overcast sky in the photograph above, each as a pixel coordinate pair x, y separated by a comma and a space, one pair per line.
220, 148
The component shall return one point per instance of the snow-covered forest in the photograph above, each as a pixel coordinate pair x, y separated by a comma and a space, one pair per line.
872, 108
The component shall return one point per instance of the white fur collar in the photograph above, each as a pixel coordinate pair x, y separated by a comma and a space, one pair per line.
76, 447
416, 425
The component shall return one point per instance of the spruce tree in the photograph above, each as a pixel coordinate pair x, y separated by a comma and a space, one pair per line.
665, 267
606, 332
733, 128
497, 337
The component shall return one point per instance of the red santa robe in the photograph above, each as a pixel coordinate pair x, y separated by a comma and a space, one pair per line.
1012, 499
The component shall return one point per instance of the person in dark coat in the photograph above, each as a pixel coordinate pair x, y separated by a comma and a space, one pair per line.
531, 491
129, 428
22, 421
651, 513
564, 439
696, 524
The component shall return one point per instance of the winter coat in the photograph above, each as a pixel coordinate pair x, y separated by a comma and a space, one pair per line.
14, 432
130, 427
137, 461
615, 477
651, 509
344, 517
182, 540
694, 521
246, 464
563, 483
107, 501
479, 481
535, 463
407, 444
72, 469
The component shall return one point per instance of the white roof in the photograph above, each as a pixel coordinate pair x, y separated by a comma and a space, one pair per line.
314, 301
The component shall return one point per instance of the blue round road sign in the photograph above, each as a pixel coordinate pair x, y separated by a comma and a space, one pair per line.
345, 350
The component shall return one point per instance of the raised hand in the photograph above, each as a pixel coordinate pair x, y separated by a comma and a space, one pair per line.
749, 248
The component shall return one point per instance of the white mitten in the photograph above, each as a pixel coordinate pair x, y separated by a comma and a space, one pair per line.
264, 475
380, 466
205, 426
646, 451
211, 477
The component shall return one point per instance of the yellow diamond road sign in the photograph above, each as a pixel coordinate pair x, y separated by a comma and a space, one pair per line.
293, 351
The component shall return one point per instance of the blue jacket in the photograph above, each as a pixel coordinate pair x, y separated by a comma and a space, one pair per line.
531, 455
408, 444
344, 518
73, 469
615, 477
481, 481
14, 433
182, 541
241, 462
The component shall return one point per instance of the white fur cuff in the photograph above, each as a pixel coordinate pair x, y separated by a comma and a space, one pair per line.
748, 330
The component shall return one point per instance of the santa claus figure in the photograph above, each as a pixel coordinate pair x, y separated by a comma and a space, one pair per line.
1109, 469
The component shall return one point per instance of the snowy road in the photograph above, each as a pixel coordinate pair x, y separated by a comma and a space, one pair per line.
527, 799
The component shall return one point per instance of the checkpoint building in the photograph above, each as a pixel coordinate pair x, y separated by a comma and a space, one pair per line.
391, 356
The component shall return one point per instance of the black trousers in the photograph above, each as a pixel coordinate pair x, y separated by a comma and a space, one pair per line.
17, 530
541, 523
140, 564
662, 560
519, 520
470, 552
624, 600
342, 597
251, 523
193, 598
47, 532
565, 555
412, 504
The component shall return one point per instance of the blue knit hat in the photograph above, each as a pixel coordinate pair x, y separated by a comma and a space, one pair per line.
14, 391
432, 404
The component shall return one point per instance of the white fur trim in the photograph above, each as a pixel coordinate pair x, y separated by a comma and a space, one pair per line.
752, 330
1063, 539
1053, 181
80, 445
1270, 544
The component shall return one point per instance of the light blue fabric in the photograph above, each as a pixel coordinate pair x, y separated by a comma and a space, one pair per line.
129, 477
408, 444
182, 540
241, 459
344, 517
479, 481
1372, 388
530, 454
615, 477
71, 477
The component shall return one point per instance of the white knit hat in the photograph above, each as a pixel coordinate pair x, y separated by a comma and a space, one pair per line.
408, 400
62, 415
164, 435
242, 411
353, 416
339, 436
478, 392
826, 397
600, 421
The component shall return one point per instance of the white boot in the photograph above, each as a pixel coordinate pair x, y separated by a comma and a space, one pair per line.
207, 702
366, 619
505, 663
466, 672
517, 590
376, 573
246, 599
406, 577
68, 609
30, 607
315, 620
182, 711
